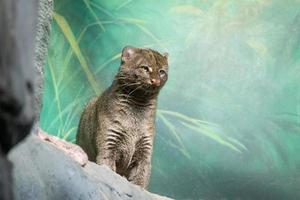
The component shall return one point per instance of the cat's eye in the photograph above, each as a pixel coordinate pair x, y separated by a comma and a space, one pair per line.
146, 68
162, 72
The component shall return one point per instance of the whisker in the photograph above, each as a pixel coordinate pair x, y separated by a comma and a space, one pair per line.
122, 86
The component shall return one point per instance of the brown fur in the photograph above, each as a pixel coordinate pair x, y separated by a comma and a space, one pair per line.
117, 128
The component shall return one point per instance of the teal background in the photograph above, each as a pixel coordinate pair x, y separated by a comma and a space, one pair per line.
228, 124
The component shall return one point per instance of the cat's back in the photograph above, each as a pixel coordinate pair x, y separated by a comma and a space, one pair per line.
88, 125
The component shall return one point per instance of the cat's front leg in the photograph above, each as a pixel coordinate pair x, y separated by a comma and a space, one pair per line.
106, 157
139, 174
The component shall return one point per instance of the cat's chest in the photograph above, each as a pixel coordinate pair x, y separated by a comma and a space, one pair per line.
130, 121
135, 123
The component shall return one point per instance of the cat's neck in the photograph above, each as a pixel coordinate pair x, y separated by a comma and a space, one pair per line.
133, 96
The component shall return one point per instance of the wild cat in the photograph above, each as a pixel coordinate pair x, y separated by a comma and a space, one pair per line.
118, 127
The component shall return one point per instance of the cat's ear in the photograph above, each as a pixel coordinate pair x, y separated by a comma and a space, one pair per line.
165, 55
127, 53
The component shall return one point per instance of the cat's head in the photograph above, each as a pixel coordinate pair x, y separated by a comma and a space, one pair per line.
143, 68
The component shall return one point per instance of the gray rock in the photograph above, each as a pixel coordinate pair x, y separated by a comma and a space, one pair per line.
17, 36
41, 171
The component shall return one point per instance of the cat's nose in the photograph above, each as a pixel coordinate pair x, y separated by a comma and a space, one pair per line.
155, 82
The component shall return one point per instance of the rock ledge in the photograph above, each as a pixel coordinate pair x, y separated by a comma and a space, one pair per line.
41, 171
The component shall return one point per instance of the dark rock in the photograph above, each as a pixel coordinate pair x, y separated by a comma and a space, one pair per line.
41, 171
5, 179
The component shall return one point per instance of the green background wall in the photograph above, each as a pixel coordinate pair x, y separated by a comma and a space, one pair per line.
228, 124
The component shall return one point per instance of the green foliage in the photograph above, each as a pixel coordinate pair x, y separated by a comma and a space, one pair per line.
228, 120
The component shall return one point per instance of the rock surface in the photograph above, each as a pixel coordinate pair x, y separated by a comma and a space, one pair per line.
41, 171
17, 36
